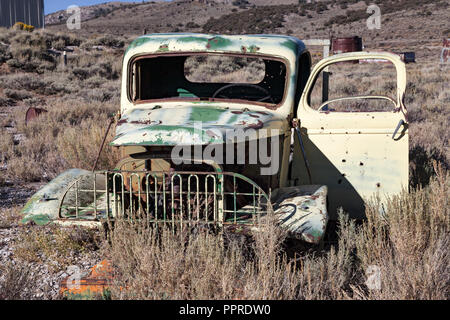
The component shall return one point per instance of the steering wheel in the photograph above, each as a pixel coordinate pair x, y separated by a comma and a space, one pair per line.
268, 96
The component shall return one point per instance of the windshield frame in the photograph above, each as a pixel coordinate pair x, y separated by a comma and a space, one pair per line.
271, 106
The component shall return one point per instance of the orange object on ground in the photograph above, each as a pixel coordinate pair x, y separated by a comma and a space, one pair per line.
96, 283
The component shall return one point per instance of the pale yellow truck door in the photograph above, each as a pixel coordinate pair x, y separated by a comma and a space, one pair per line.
358, 155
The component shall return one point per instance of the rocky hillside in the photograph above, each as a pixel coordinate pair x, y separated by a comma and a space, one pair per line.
409, 25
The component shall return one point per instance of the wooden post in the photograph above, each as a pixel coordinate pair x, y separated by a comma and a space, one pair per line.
326, 76
65, 58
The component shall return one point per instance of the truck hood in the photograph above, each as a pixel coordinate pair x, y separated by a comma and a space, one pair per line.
189, 125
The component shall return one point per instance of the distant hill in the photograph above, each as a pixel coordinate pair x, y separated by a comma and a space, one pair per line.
415, 25
93, 11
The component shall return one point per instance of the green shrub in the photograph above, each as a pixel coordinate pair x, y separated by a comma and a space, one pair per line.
29, 53
254, 20
17, 95
106, 40
104, 70
5, 55
192, 25
5, 102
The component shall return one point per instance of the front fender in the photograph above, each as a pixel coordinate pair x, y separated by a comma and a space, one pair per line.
302, 211
43, 207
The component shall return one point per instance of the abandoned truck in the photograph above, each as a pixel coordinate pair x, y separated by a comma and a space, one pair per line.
220, 149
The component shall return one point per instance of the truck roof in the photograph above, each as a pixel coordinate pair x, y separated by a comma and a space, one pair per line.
279, 45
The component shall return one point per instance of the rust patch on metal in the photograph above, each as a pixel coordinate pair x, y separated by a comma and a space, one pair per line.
33, 113
258, 125
122, 121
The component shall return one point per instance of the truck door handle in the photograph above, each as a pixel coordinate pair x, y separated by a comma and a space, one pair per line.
400, 123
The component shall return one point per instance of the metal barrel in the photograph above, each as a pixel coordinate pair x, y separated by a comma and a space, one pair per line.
348, 44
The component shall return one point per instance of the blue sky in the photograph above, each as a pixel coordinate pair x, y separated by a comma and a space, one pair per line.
55, 5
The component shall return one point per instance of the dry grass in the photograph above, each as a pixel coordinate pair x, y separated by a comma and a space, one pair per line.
53, 143
68, 136
9, 217
194, 264
16, 282
427, 100
408, 245
56, 246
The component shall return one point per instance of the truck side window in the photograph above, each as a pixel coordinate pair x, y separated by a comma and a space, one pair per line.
356, 86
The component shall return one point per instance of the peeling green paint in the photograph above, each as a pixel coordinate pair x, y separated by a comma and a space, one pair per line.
302, 211
205, 114
166, 135
243, 43
28, 206
189, 125
233, 118
192, 39
290, 45
216, 43
253, 48
138, 42
39, 219
250, 49
163, 48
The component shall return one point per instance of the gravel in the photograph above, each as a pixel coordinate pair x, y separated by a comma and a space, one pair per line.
12, 194
41, 280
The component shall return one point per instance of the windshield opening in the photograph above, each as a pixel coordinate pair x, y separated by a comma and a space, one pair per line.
208, 77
